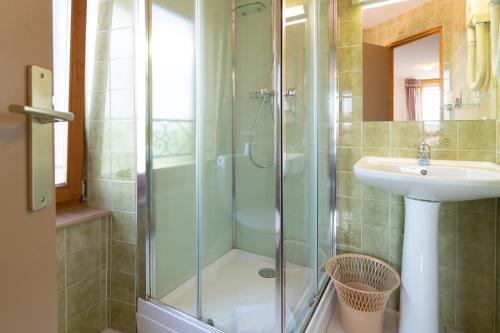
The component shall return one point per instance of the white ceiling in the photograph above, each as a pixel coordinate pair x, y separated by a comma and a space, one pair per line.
377, 15
409, 58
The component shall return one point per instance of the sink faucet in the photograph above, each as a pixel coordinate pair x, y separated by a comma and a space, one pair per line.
424, 154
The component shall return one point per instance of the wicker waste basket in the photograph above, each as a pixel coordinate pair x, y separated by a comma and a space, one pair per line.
363, 285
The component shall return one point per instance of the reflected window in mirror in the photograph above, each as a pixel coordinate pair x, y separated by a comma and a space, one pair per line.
416, 77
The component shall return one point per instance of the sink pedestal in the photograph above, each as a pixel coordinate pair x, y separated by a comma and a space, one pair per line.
419, 306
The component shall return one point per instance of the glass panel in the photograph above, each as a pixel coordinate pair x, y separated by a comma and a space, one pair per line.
173, 153
299, 158
61, 25
214, 170
238, 223
220, 283
325, 114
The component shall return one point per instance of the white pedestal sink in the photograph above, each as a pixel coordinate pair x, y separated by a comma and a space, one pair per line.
424, 188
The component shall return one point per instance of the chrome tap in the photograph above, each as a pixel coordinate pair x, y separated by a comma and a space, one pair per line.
424, 154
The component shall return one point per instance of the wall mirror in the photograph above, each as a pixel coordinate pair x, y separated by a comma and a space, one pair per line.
429, 59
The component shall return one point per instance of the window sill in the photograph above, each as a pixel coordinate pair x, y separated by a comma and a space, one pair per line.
77, 215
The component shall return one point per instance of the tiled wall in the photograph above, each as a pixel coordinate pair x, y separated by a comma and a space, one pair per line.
82, 277
372, 221
110, 127
450, 15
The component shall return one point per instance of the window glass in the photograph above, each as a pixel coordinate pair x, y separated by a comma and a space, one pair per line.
61, 12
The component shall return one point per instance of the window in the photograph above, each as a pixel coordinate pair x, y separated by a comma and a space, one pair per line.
431, 99
68, 75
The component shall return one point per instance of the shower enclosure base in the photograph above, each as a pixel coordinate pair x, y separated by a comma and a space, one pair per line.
235, 293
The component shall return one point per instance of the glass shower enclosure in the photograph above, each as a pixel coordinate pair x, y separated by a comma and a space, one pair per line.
238, 165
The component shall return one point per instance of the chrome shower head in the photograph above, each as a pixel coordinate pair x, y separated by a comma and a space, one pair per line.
248, 8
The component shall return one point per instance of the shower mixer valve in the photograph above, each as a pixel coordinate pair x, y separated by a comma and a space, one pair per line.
268, 94
263, 93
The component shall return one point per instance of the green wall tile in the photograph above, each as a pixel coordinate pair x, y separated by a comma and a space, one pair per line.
447, 278
370, 192
347, 158
350, 58
349, 83
472, 317
349, 234
376, 213
123, 135
477, 135
124, 227
486, 206
474, 155
123, 165
405, 135
105, 227
448, 223
86, 322
83, 295
124, 196
99, 164
498, 131
350, 134
83, 264
104, 276
123, 256
444, 154
103, 315
404, 152
123, 286
123, 317
61, 308
349, 210
396, 242
375, 240
104, 258
376, 134
475, 257
349, 33
476, 227
447, 252
477, 287
397, 215
377, 152
348, 185
447, 310
347, 11
60, 242
351, 108
440, 134
82, 235
99, 131
61, 273
99, 194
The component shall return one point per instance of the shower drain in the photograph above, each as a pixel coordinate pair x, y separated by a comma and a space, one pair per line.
267, 273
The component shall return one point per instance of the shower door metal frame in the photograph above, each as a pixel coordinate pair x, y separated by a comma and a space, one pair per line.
145, 221
280, 289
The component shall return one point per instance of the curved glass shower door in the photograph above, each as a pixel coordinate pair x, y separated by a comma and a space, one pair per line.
233, 241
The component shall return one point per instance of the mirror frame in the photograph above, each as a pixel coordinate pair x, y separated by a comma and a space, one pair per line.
393, 45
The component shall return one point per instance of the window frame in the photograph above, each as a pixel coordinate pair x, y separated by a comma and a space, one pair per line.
70, 194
